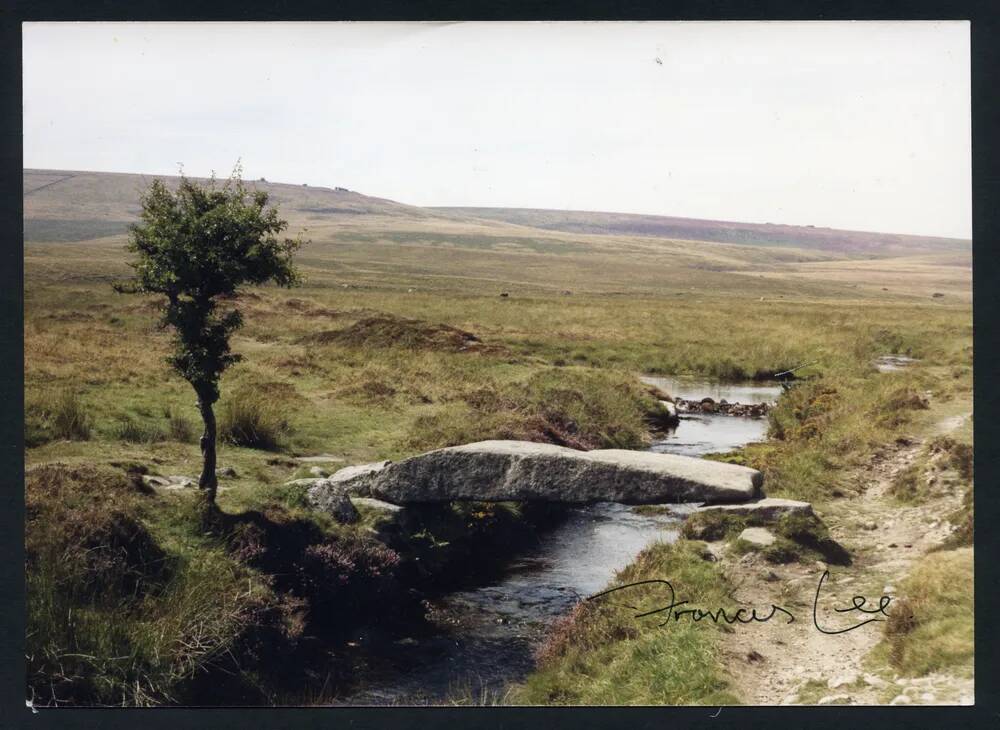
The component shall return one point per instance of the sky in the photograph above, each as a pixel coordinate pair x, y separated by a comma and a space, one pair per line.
857, 125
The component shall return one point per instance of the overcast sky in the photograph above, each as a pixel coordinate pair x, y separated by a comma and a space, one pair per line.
849, 125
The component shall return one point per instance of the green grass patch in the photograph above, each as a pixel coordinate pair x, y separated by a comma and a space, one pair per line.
602, 655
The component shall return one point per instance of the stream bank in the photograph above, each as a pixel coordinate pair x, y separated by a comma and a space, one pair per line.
480, 639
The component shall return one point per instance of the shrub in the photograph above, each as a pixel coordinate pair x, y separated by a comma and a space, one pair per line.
83, 524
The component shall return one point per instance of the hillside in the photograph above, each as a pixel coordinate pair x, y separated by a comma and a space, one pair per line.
363, 241
63, 205
855, 243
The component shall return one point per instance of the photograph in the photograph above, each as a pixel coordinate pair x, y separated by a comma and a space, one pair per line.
507, 363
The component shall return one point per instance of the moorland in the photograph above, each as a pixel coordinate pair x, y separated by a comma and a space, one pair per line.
417, 328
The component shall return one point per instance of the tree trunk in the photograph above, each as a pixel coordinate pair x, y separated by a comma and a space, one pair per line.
208, 480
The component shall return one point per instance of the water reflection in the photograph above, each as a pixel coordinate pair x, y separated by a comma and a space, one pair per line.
694, 388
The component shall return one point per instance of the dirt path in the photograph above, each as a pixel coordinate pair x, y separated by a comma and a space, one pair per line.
797, 664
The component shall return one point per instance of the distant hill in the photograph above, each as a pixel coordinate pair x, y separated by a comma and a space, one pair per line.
75, 224
66, 205
853, 243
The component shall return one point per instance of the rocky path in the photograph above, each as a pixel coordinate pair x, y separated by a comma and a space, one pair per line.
777, 663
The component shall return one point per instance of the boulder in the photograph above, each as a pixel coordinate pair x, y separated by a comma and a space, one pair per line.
665, 415
759, 536
319, 458
226, 472
767, 509
522, 471
357, 479
334, 503
304, 482
376, 505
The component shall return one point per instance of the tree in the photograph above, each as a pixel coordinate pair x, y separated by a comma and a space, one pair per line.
197, 247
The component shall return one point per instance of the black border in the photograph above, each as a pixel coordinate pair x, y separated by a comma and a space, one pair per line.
985, 45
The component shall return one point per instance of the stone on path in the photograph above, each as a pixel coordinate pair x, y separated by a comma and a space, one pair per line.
768, 509
836, 700
759, 536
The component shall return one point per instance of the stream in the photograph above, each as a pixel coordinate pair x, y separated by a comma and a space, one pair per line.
483, 638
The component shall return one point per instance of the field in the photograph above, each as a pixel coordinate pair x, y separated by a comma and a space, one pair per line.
418, 328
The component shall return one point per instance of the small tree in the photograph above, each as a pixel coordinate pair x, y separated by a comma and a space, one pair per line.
197, 247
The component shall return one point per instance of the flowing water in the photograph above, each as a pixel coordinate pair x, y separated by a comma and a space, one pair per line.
484, 637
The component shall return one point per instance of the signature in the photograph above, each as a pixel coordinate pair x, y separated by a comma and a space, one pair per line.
677, 610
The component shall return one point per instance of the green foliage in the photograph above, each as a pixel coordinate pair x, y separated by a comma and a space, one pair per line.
713, 525
798, 536
779, 552
197, 247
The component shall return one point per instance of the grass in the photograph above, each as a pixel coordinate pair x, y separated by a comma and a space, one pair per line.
602, 655
56, 415
254, 416
823, 427
930, 626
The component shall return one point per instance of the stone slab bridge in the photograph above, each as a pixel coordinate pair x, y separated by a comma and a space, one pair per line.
523, 471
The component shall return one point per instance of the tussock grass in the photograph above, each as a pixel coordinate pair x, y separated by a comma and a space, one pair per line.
571, 407
179, 428
254, 416
930, 627
964, 521
943, 465
823, 426
132, 431
57, 415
